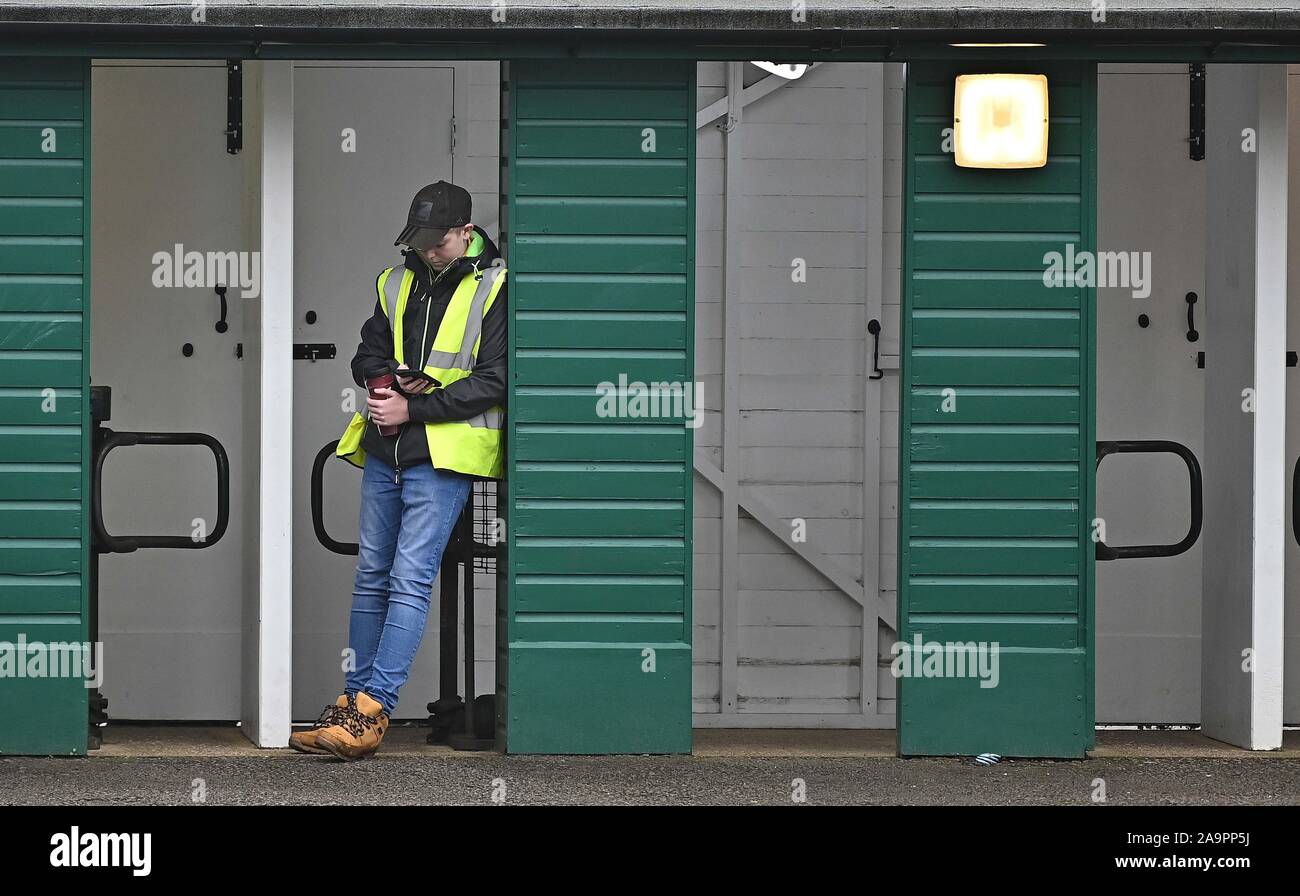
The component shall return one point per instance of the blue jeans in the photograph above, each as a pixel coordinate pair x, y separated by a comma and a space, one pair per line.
404, 529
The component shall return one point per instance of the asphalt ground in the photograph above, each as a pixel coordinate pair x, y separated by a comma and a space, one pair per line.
155, 765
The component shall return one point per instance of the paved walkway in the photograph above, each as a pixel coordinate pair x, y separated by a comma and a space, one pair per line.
170, 764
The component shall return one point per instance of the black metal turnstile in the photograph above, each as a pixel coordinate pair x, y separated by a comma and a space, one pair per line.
464, 725
104, 440
1157, 446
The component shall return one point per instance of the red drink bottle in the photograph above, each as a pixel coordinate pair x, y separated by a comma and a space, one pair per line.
383, 379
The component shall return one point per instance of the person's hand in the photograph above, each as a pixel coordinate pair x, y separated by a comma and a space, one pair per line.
413, 385
388, 410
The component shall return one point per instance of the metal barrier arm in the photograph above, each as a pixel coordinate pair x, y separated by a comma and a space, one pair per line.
126, 544
318, 504
454, 543
1156, 446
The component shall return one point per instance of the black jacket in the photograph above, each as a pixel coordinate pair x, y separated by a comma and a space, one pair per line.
485, 387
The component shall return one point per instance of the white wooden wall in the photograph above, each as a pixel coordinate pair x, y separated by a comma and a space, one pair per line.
788, 649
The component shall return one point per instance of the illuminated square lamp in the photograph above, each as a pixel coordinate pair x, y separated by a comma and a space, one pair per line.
1000, 121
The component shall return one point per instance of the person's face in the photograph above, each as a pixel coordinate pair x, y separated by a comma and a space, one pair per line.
453, 246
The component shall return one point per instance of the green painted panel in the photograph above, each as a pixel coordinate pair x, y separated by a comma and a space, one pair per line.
993, 480
963, 328
41, 407
40, 594
993, 594
48, 217
594, 608
975, 404
599, 594
47, 715
1055, 631
42, 178
39, 556
55, 370
40, 519
600, 177
44, 408
16, 70
47, 103
993, 556
621, 254
601, 292
975, 518
1006, 213
575, 517
590, 367
39, 293
601, 215
994, 443
653, 481
562, 101
986, 251
602, 442
578, 404
40, 255
599, 329
604, 628
592, 698
997, 430
56, 482
989, 289
992, 367
40, 444
602, 139
1038, 708
40, 331
598, 556
44, 140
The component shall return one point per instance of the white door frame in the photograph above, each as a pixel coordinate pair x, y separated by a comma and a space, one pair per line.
268, 398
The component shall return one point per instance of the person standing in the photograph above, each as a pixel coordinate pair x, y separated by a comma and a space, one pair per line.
439, 327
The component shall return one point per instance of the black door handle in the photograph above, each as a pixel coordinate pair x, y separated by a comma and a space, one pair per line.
222, 326
873, 327
1156, 446
1192, 335
318, 504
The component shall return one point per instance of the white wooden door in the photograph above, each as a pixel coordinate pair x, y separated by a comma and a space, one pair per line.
366, 138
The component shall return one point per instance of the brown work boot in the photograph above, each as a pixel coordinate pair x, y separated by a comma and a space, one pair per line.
305, 741
358, 732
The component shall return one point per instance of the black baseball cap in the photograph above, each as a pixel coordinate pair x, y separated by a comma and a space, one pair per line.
435, 209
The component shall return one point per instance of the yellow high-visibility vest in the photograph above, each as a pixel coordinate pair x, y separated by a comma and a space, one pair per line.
470, 446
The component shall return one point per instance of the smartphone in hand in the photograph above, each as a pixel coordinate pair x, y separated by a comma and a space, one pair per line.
424, 380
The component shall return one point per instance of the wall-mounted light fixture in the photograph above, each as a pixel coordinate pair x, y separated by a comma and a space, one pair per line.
1000, 121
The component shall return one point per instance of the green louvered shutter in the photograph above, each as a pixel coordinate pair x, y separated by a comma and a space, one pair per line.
997, 490
44, 407
594, 626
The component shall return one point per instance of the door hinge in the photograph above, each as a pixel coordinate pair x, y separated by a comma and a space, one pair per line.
234, 106
1196, 112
